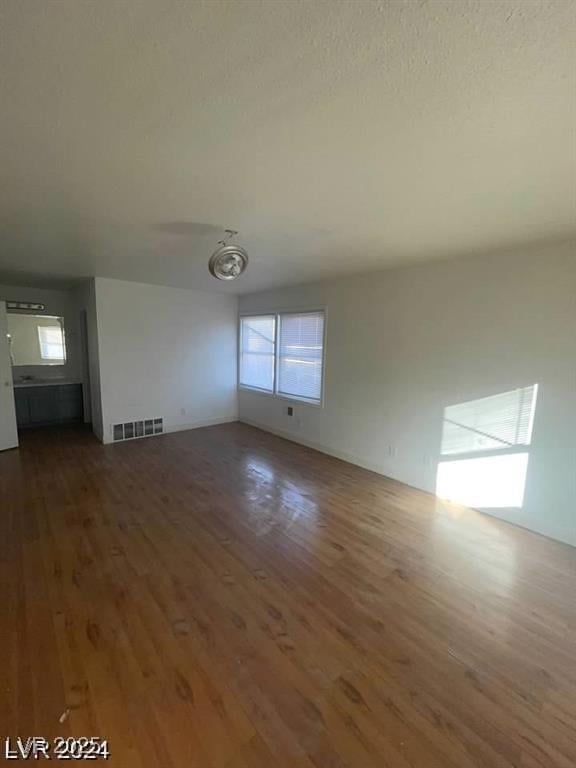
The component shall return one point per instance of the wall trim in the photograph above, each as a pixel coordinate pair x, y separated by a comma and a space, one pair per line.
201, 423
350, 458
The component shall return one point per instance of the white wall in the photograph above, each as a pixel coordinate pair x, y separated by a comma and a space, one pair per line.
166, 352
405, 343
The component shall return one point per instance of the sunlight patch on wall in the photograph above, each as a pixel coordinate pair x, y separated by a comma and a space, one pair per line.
486, 441
490, 423
484, 482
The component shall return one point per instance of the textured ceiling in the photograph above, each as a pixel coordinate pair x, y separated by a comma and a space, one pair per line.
335, 136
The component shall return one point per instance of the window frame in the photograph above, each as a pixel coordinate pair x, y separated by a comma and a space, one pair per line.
277, 313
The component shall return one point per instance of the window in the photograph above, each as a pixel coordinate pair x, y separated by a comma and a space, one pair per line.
283, 354
257, 352
51, 343
300, 355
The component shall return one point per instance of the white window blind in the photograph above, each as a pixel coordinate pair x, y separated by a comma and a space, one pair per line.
490, 423
257, 352
300, 355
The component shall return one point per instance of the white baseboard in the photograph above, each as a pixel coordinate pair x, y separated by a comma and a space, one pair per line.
201, 423
351, 458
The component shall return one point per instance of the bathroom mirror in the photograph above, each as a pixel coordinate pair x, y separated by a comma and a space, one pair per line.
36, 339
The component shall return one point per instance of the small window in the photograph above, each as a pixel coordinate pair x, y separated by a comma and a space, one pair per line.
257, 352
300, 355
51, 343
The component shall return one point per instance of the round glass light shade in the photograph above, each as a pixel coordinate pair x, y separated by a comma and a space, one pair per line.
228, 262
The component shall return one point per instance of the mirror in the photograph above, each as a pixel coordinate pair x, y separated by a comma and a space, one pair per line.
36, 339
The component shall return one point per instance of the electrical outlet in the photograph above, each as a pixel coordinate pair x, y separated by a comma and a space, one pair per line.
182, 411
392, 451
289, 410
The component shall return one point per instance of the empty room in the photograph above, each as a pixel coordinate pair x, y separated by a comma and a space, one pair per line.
288, 383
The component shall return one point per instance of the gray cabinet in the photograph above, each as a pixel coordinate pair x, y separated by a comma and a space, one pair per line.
22, 407
70, 402
53, 404
43, 404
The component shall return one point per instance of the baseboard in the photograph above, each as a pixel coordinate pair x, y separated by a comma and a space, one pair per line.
350, 458
201, 423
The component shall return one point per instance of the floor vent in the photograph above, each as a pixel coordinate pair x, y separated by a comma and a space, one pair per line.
133, 429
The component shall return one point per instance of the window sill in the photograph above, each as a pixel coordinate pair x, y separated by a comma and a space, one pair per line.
280, 396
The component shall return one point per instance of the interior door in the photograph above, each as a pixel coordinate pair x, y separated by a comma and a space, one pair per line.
8, 431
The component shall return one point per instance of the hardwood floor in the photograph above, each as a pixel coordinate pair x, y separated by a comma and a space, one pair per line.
222, 598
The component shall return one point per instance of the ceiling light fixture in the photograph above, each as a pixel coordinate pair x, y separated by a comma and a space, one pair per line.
229, 260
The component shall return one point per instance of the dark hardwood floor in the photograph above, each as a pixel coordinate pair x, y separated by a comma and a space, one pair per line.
222, 598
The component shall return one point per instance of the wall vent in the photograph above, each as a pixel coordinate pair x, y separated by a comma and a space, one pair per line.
132, 429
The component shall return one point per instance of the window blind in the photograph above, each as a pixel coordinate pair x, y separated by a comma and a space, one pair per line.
257, 351
300, 355
497, 422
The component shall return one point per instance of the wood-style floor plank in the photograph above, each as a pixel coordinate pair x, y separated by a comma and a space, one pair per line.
223, 598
